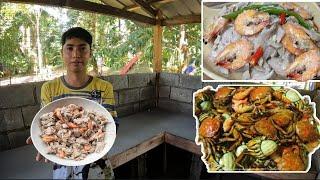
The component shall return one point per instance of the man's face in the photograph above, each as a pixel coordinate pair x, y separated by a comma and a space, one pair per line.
76, 54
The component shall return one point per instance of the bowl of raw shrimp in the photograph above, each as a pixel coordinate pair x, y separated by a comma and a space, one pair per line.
73, 131
261, 41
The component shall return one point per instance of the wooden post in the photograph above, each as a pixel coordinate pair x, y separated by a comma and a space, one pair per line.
195, 167
164, 168
157, 52
157, 45
142, 166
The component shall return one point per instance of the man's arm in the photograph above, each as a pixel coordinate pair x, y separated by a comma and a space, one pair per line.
45, 95
109, 103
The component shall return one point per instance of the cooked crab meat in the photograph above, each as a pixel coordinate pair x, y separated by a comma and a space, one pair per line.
72, 133
81, 120
291, 160
265, 127
49, 130
306, 131
210, 127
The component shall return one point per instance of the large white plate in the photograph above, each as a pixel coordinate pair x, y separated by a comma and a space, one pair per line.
88, 105
208, 13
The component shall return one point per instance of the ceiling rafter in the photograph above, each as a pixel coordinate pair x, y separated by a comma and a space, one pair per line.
151, 2
121, 3
106, 9
181, 20
91, 7
104, 2
146, 7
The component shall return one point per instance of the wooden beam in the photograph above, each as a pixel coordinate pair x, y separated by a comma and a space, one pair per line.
90, 7
188, 145
124, 157
115, 4
151, 2
182, 143
195, 167
157, 44
181, 20
159, 1
308, 175
120, 2
146, 7
157, 48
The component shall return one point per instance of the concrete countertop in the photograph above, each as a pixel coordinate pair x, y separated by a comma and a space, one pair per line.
20, 162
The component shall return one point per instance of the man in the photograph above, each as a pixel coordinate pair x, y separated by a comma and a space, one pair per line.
76, 52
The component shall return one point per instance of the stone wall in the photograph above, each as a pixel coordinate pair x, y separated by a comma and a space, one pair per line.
176, 91
133, 93
20, 103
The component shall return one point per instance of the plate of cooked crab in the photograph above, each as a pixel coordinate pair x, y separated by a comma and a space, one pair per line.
262, 41
255, 128
73, 131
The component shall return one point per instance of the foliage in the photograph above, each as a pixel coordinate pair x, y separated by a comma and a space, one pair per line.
11, 56
116, 40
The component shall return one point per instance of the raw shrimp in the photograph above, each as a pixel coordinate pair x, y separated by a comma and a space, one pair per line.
250, 22
306, 66
296, 40
235, 55
214, 29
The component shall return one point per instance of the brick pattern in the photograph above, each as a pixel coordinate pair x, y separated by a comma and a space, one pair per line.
17, 96
133, 93
176, 91
28, 114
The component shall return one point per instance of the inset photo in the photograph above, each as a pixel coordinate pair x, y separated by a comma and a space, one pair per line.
261, 41
257, 128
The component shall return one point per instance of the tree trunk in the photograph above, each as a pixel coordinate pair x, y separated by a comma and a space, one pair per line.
29, 51
39, 46
33, 45
183, 49
95, 40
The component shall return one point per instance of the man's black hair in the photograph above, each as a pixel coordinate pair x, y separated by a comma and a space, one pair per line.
76, 32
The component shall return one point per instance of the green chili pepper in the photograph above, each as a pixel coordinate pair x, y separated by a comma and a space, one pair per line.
234, 14
271, 9
301, 21
278, 11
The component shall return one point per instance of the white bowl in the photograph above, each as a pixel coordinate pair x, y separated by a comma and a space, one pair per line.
88, 105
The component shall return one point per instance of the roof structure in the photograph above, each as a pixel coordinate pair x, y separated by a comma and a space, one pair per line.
152, 12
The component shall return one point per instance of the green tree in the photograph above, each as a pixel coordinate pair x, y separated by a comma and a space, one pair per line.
115, 40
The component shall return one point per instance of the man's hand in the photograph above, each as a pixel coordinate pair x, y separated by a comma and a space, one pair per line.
39, 157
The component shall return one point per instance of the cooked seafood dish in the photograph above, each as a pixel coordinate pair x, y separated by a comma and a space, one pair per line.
260, 41
255, 128
71, 132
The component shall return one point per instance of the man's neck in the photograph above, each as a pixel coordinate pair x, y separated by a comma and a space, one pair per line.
76, 79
